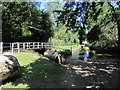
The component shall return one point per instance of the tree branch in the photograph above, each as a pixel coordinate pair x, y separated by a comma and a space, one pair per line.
33, 28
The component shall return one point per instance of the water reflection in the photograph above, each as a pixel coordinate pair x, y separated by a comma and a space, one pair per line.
84, 56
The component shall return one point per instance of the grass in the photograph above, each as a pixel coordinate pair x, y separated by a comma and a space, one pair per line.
27, 57
66, 47
36, 71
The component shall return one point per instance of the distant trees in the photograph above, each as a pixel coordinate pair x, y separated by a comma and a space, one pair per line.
23, 22
63, 36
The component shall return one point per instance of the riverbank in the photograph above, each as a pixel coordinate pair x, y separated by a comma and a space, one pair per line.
39, 72
66, 47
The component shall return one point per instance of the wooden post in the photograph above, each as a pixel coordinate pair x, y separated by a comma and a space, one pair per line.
18, 46
1, 47
12, 47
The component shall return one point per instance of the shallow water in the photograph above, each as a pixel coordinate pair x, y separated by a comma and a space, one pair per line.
84, 57
88, 57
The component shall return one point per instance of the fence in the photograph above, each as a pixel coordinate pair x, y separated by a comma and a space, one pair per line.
21, 46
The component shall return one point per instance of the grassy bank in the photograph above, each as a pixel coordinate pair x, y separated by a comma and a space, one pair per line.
36, 71
66, 47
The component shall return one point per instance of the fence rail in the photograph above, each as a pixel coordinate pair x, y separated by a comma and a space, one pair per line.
21, 46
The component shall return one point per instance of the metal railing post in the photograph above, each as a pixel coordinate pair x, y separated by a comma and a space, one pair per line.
33, 45
27, 45
38, 45
12, 47
23, 46
1, 47
42, 45
18, 46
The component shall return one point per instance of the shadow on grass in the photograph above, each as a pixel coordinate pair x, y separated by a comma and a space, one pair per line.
43, 73
40, 74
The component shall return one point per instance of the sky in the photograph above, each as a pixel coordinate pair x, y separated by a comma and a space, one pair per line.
43, 4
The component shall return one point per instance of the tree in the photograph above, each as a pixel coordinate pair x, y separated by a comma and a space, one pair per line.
23, 22
116, 18
74, 16
103, 30
96, 21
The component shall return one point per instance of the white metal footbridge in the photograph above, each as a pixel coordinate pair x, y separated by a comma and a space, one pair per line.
21, 46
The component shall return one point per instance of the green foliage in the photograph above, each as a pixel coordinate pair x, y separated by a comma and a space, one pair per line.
74, 16
103, 30
66, 47
100, 19
23, 22
65, 37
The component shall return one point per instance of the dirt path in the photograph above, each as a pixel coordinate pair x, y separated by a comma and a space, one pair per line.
6, 53
95, 74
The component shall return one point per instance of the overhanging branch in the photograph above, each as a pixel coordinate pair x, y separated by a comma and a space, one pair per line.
33, 28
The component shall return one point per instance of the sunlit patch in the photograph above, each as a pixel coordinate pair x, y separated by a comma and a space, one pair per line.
65, 81
72, 85
89, 86
103, 55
